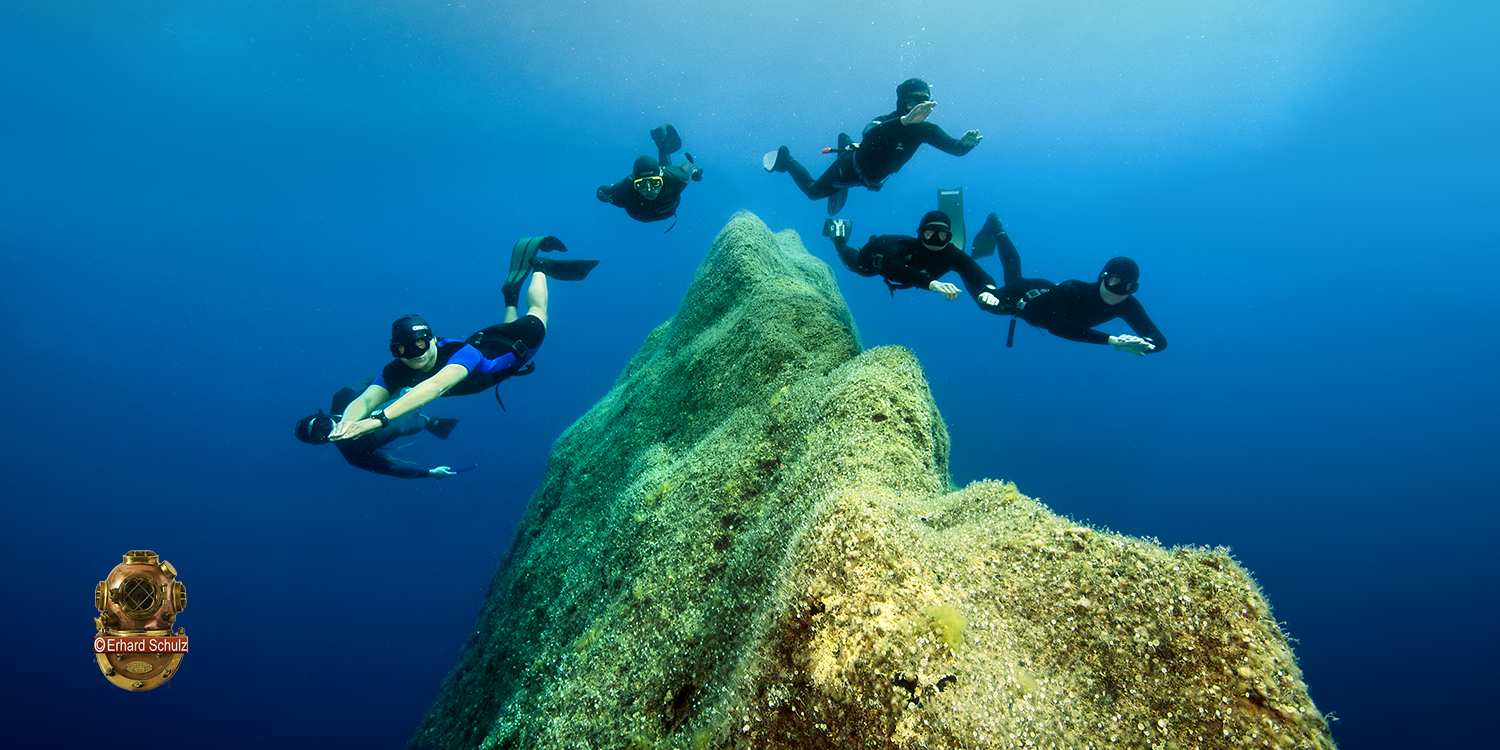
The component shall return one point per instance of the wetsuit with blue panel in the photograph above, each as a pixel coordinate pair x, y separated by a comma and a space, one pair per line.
490, 356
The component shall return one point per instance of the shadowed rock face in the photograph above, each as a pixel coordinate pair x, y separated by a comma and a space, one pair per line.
752, 542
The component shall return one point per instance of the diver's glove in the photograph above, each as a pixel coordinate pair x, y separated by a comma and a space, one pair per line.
441, 472
1132, 344
949, 291
602, 194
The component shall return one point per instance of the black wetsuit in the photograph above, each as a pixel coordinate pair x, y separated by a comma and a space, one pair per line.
664, 206
905, 263
491, 355
364, 451
1072, 309
887, 146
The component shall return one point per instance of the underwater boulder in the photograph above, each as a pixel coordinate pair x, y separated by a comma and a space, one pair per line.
752, 541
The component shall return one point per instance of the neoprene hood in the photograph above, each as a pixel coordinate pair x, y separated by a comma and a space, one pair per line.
644, 166
1122, 267
409, 328
313, 429
935, 217
907, 90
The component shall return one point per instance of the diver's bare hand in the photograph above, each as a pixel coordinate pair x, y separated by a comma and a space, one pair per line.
918, 113
989, 299
1132, 345
970, 139
949, 291
347, 431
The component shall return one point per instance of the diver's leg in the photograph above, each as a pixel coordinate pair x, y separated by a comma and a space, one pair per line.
667, 142
852, 261
536, 300
409, 423
1010, 259
823, 186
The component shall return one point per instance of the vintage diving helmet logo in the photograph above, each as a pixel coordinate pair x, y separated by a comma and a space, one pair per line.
138, 602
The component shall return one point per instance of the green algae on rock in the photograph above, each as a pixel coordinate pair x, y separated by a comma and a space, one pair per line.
752, 542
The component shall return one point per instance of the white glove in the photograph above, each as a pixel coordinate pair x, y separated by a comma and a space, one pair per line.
948, 291
1132, 344
441, 472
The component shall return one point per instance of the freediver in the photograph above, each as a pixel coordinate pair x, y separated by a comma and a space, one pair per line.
1074, 308
426, 367
654, 188
912, 262
889, 141
365, 451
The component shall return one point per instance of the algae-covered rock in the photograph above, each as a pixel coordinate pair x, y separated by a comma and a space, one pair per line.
752, 542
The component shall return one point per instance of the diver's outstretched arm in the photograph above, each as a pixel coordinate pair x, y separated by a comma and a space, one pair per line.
358, 409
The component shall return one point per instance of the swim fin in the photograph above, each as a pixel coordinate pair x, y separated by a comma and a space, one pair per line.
836, 201
984, 242
838, 229
521, 258
564, 270
441, 427
776, 161
951, 202
666, 138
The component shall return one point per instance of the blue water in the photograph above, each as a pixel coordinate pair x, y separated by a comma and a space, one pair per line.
210, 212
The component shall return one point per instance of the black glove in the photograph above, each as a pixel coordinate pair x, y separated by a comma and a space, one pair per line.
603, 193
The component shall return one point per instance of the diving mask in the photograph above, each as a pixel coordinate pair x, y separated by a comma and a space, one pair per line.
935, 237
1117, 285
650, 184
411, 349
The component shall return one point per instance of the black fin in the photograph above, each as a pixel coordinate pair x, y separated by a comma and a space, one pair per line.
564, 270
520, 266
984, 241
522, 257
666, 138
778, 160
441, 427
836, 201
